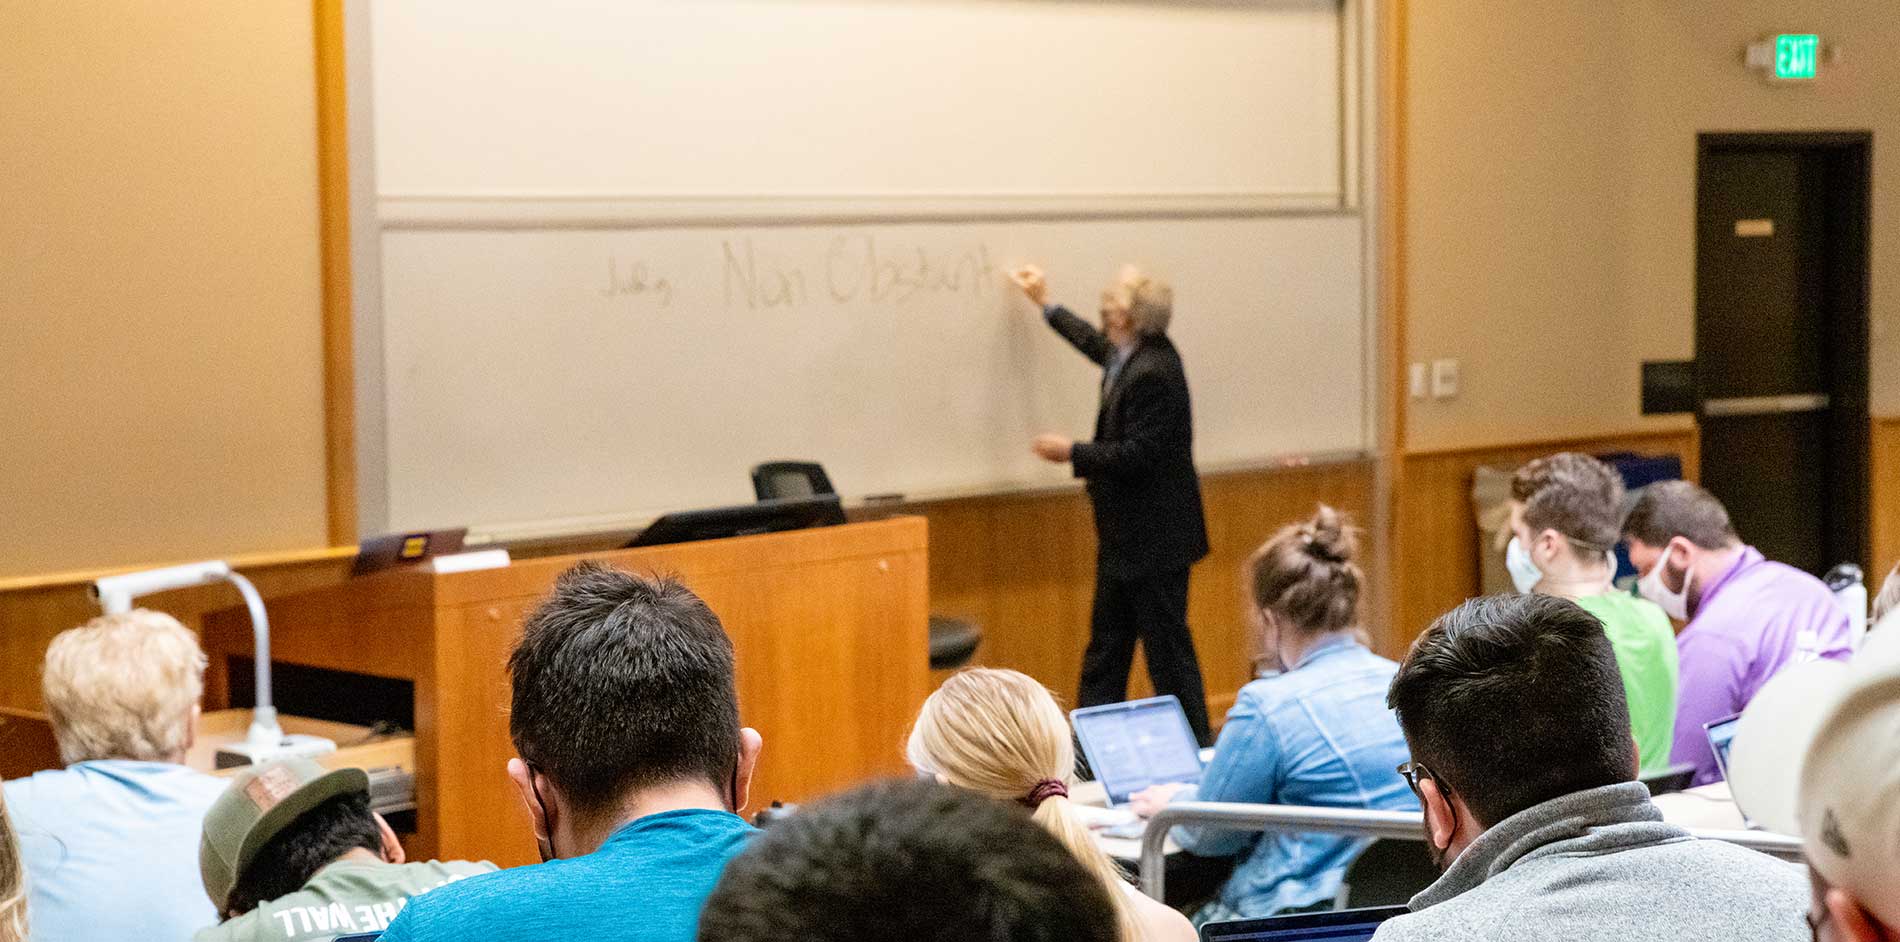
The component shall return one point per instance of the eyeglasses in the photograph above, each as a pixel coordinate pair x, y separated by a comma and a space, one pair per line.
1814, 925
1412, 772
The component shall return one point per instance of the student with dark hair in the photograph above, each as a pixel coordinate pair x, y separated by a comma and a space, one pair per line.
915, 861
632, 765
1314, 731
1522, 758
293, 853
1564, 514
1748, 617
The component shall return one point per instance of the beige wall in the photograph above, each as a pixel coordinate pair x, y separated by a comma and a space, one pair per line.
160, 368
1551, 193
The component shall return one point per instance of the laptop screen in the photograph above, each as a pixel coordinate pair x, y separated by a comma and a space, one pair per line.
1721, 734
1133, 745
1350, 925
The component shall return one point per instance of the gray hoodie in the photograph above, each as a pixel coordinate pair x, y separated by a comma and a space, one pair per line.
1601, 866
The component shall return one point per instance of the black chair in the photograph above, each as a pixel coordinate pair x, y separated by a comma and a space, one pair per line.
953, 641
1672, 779
777, 479
1388, 872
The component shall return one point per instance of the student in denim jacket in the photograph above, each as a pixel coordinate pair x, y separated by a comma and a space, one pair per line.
1315, 731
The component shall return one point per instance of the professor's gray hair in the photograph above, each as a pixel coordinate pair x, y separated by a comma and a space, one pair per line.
1150, 305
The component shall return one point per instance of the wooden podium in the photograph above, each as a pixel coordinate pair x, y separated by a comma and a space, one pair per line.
829, 625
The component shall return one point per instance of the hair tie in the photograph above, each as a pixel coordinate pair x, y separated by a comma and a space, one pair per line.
1046, 789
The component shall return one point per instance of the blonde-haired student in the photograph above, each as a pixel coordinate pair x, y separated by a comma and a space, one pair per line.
1000, 733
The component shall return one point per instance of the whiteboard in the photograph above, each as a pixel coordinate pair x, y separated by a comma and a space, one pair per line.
622, 252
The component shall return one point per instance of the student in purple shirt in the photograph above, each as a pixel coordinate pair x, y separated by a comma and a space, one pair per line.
1747, 617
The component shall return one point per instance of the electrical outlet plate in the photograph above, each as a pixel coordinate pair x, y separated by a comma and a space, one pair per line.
1444, 379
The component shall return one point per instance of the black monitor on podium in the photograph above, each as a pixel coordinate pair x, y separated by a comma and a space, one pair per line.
766, 516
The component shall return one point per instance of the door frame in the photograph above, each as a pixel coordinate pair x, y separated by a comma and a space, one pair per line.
1849, 291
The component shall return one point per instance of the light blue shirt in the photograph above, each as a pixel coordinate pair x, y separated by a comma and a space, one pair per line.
647, 883
111, 850
1319, 734
1116, 359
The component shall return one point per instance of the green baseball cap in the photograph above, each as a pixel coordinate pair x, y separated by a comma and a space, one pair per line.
259, 804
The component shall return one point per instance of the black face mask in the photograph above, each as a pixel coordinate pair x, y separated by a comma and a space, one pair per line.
542, 845
545, 845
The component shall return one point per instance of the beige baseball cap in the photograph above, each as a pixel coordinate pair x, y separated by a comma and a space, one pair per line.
1764, 759
1849, 798
259, 804
1817, 753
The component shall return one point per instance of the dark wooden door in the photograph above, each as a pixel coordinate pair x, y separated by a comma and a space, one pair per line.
1781, 350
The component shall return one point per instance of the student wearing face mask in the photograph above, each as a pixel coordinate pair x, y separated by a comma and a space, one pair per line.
1314, 731
1748, 617
1564, 514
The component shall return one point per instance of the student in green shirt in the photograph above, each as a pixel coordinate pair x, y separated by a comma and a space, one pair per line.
292, 852
1565, 514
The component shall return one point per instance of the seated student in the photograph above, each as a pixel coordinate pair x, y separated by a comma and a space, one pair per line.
912, 861
1522, 758
292, 853
110, 842
1564, 514
1000, 733
1748, 617
632, 766
1317, 732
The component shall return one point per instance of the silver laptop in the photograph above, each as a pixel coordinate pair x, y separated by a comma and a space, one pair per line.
1133, 745
1721, 735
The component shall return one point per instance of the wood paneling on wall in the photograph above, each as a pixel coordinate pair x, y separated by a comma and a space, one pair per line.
1885, 542
1436, 560
1023, 567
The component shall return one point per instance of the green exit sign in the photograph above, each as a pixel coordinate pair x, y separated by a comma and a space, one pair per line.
1797, 55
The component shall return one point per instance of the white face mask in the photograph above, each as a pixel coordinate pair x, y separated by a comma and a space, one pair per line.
1524, 573
1652, 587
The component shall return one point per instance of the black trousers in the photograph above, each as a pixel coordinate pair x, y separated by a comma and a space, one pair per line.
1153, 609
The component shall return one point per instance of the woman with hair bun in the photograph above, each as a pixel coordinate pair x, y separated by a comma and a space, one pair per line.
1000, 733
1314, 729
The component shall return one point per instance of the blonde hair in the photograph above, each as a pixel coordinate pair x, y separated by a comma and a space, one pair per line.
12, 882
1000, 733
123, 687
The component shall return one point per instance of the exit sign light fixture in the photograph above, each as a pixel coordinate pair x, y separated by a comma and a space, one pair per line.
1787, 57
1797, 55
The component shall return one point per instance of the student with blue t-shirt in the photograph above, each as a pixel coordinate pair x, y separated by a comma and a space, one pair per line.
631, 763
1317, 732
110, 842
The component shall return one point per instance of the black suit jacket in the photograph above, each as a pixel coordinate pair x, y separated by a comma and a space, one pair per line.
1140, 467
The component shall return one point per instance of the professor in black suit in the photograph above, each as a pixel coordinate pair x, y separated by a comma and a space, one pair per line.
1142, 485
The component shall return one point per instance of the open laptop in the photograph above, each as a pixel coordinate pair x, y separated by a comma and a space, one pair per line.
1133, 745
1721, 735
400, 549
1345, 925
